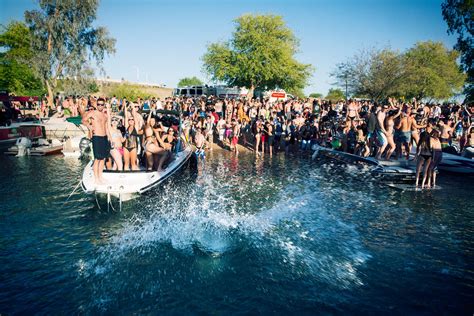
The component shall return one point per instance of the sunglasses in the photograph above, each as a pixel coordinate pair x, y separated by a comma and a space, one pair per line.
100, 104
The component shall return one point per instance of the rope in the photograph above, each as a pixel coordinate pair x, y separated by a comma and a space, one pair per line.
72, 192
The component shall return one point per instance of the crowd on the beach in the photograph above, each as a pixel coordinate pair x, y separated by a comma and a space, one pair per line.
125, 132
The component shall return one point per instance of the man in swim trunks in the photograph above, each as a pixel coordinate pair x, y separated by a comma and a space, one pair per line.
380, 132
100, 144
403, 132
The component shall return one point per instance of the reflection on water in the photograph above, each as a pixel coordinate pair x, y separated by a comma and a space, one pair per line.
237, 234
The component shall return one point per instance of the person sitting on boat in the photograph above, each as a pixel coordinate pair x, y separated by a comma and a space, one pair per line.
116, 140
154, 153
132, 133
96, 121
168, 142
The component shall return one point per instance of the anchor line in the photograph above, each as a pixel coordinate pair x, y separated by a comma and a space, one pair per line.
72, 192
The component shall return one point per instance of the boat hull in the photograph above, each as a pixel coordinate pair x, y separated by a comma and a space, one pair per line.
122, 183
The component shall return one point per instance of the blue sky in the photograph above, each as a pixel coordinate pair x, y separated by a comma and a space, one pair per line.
164, 39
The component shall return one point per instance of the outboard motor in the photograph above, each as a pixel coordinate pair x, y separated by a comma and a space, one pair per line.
23, 144
85, 147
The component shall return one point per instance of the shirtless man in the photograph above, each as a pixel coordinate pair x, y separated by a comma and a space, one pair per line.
380, 132
96, 121
200, 141
446, 133
404, 132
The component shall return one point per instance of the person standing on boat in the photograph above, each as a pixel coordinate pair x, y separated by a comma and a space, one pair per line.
97, 122
389, 127
132, 132
424, 155
380, 132
436, 159
116, 139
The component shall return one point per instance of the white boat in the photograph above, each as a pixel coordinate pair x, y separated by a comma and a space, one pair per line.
10, 134
60, 127
126, 184
41, 147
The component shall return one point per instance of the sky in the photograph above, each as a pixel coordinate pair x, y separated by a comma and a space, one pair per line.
163, 41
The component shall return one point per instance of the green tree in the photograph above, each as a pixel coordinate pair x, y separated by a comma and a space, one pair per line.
431, 72
78, 86
259, 55
376, 73
316, 95
459, 15
192, 81
16, 75
335, 95
64, 39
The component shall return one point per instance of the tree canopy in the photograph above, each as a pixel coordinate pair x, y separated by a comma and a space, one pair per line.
65, 41
190, 81
316, 95
431, 71
16, 75
260, 55
428, 69
375, 73
459, 15
335, 95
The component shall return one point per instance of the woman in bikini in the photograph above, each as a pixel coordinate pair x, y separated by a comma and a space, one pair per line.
116, 139
389, 123
131, 142
153, 151
436, 148
424, 154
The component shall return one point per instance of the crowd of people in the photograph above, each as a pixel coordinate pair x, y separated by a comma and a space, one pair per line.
125, 132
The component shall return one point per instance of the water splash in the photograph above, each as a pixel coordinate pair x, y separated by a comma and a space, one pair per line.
211, 217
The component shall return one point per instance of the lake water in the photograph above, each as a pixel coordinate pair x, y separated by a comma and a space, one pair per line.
241, 235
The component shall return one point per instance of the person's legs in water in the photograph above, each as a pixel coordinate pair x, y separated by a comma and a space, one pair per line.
425, 171
257, 143
419, 166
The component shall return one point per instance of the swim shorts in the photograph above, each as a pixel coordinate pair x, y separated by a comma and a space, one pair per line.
381, 138
404, 137
100, 146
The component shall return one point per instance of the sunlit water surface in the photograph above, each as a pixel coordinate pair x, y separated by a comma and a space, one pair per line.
239, 235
